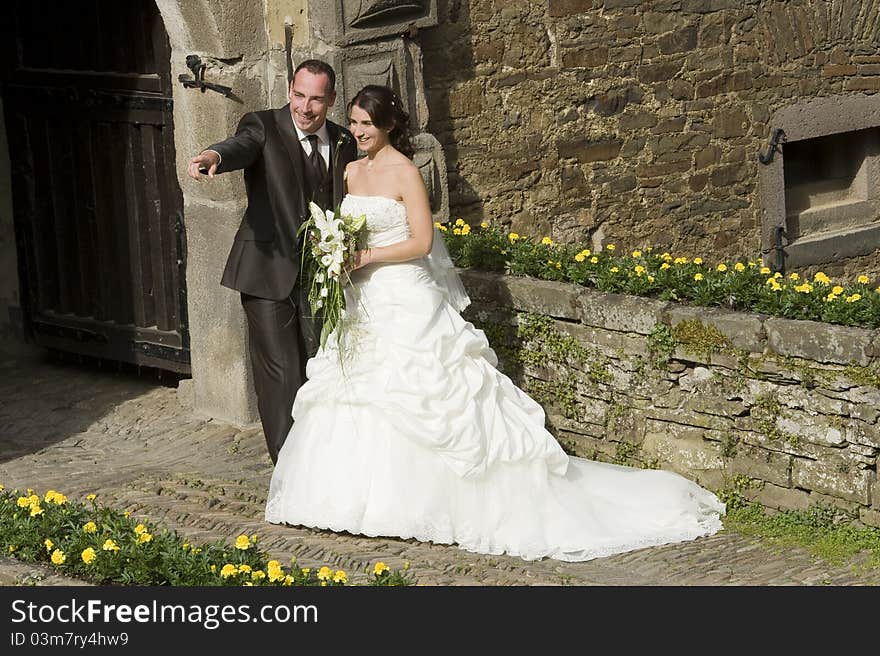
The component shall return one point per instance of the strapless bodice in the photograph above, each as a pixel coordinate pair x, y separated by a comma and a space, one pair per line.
386, 218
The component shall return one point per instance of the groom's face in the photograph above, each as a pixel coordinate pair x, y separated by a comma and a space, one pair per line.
310, 98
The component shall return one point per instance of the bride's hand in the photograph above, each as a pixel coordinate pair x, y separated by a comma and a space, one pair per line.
362, 258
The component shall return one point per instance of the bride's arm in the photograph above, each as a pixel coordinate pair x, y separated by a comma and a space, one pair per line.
421, 225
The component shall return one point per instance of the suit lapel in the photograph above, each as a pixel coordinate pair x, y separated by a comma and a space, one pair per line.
337, 146
291, 142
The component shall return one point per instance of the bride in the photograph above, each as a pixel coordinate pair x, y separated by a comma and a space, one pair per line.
414, 433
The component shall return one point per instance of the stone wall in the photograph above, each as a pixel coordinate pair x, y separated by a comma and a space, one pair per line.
633, 122
784, 411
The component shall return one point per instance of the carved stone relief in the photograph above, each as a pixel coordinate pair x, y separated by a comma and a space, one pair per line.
364, 20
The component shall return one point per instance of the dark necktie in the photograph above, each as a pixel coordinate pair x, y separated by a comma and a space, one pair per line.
315, 158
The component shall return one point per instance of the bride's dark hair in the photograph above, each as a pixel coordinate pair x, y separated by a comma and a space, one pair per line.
386, 112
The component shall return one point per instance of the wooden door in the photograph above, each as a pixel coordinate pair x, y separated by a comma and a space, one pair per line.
98, 210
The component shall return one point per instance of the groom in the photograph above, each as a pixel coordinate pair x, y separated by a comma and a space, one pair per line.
290, 156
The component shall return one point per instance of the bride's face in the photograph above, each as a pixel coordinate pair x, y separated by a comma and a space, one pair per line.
369, 138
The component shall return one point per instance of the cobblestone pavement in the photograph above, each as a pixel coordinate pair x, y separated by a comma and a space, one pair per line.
80, 429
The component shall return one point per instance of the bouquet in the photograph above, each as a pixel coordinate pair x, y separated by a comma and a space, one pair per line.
330, 243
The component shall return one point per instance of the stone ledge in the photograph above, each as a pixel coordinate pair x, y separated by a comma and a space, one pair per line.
821, 342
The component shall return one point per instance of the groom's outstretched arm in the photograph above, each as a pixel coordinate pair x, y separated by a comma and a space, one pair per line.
237, 152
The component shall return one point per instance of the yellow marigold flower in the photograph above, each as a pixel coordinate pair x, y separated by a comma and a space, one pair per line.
380, 568
594, 260
288, 580
639, 269
775, 286
406, 565
459, 222
23, 502
140, 528
248, 584
765, 270
698, 276
680, 260
611, 247
197, 550
254, 538
33, 500
88, 556
275, 571
244, 569
777, 275
513, 236
258, 575
666, 257
54, 497
325, 573
580, 257
637, 253
127, 514
144, 537
698, 260
665, 265
340, 577
558, 265
228, 570
853, 298
739, 266
863, 280
651, 278
721, 267
614, 269
110, 545
49, 544
837, 289
242, 542
504, 252
547, 241
793, 276
771, 281
484, 225
456, 231
58, 557
806, 288
830, 297
586, 252
437, 224
213, 569
36, 510
466, 230
443, 228
89, 527
12, 548
306, 570
92, 497
822, 278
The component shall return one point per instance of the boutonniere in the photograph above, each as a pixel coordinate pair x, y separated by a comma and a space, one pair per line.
341, 140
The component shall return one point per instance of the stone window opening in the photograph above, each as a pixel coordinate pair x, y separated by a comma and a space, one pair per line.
822, 189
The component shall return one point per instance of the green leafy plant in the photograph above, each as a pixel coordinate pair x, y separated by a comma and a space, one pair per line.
740, 285
97, 543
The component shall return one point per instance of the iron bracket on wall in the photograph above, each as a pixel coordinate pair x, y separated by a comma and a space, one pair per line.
197, 66
780, 241
776, 138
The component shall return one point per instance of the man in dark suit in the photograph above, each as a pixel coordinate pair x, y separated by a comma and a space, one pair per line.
290, 156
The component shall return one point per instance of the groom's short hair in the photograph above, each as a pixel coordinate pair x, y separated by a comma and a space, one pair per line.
316, 67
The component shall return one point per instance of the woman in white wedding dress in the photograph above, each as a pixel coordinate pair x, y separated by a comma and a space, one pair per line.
412, 431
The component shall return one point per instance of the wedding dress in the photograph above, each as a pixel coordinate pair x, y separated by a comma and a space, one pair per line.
412, 432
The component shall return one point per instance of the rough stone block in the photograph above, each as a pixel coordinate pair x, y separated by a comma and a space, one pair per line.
649, 73
755, 462
820, 342
741, 330
774, 496
836, 477
869, 517
585, 57
859, 432
620, 312
690, 456
560, 8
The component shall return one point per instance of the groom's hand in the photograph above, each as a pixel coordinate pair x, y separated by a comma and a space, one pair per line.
205, 162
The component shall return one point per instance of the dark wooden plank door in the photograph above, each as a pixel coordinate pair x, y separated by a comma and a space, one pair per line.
98, 210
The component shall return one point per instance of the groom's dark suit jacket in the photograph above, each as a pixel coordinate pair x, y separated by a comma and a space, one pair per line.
264, 260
